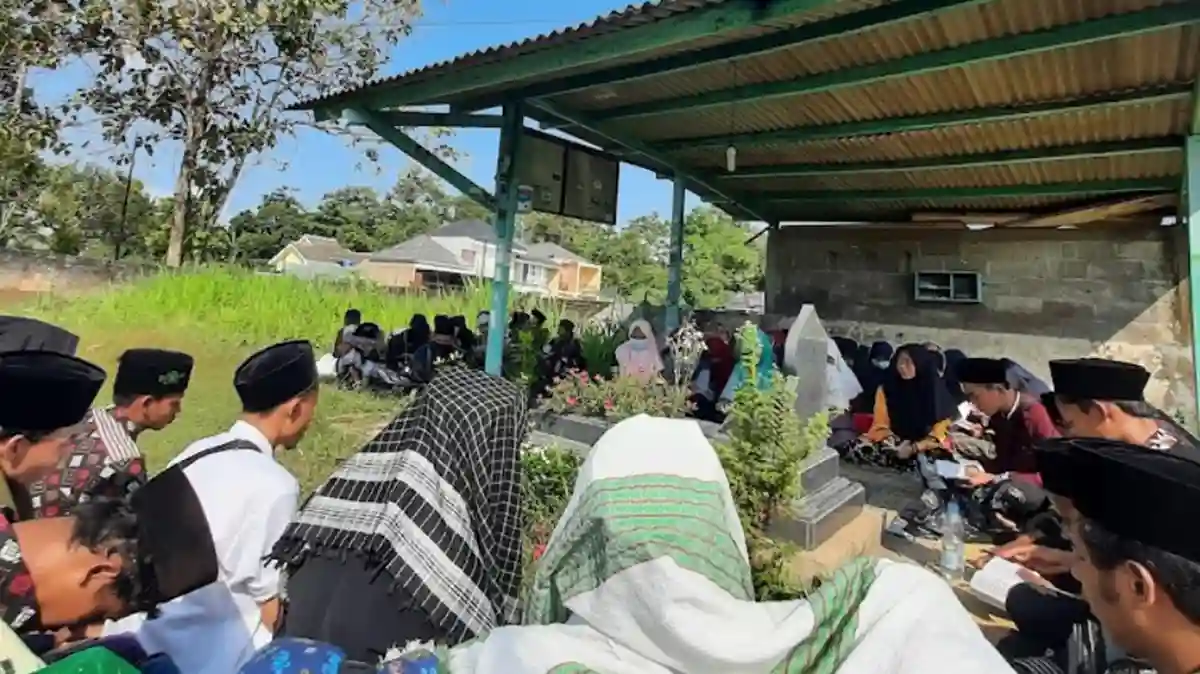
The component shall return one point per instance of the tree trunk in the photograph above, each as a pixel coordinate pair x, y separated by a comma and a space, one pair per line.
19, 93
183, 197
197, 124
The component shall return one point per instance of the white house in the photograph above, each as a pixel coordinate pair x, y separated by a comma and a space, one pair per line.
448, 255
473, 242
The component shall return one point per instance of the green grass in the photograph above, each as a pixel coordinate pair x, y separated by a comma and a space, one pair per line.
222, 315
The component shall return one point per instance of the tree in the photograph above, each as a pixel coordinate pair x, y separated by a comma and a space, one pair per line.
260, 233
216, 76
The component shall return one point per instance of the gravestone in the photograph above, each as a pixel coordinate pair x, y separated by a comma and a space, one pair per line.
828, 501
805, 356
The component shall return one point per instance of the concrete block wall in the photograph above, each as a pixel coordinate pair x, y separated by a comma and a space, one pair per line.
1109, 290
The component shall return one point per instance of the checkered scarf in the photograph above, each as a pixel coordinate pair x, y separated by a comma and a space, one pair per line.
433, 499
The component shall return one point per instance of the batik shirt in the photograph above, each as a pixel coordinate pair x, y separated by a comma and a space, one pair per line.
103, 461
18, 604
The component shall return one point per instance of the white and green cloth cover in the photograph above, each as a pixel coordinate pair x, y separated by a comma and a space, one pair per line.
646, 573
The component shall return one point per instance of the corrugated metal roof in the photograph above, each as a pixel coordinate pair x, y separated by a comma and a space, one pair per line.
632, 15
1160, 54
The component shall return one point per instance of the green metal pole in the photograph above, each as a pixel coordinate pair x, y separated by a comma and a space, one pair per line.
675, 261
506, 217
1191, 209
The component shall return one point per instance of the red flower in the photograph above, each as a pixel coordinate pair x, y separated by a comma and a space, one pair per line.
539, 550
572, 400
20, 584
608, 404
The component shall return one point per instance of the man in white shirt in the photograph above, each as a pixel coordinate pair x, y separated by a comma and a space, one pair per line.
248, 499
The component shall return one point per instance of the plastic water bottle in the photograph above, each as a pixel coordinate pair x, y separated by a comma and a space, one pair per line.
953, 550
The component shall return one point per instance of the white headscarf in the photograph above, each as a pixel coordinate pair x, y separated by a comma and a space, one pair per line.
841, 384
647, 573
639, 357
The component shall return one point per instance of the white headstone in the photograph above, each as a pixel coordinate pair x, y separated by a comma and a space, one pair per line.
805, 356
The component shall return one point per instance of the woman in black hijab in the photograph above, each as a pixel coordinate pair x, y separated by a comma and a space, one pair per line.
952, 358
913, 411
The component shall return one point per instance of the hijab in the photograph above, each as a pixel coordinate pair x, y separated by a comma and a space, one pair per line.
418, 332
1023, 380
841, 386
848, 348
763, 371
915, 405
639, 357
433, 501
952, 358
870, 374
466, 338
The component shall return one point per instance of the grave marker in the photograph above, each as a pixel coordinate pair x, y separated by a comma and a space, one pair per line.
805, 356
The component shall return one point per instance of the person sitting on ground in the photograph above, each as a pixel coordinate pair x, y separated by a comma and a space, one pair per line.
1102, 399
463, 335
718, 347
638, 356
104, 459
952, 359
364, 353
1138, 566
455, 573
651, 606
1006, 483
404, 344
440, 348
43, 396
871, 374
1105, 399
564, 352
541, 335
848, 348
765, 369
912, 414
350, 321
518, 324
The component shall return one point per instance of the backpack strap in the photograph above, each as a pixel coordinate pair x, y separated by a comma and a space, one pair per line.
232, 445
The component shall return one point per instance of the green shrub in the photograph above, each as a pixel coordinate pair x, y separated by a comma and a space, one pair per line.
548, 477
767, 443
599, 344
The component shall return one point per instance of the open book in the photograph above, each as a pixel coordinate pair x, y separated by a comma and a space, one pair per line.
994, 580
954, 470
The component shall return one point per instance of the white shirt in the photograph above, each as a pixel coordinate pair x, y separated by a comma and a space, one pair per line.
249, 500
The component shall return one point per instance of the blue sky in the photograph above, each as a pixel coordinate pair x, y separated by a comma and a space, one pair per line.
314, 163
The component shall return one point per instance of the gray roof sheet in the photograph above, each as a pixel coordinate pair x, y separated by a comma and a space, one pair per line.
552, 251
420, 249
